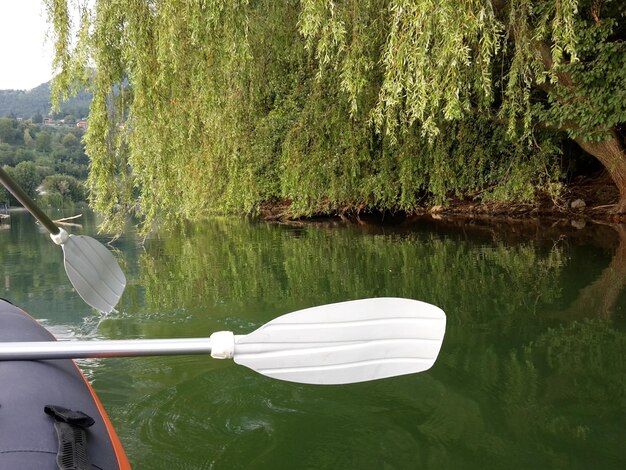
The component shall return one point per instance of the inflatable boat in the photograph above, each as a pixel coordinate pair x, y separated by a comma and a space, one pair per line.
50, 417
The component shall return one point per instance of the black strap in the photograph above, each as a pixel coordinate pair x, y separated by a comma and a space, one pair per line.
70, 426
65, 415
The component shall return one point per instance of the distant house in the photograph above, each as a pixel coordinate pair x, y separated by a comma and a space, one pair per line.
82, 124
48, 121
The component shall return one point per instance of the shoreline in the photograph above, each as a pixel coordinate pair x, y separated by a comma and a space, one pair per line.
586, 200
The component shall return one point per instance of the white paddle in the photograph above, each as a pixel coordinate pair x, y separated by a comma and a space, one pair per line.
338, 343
91, 268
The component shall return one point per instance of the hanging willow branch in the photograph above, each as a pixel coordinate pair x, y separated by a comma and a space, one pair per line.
204, 107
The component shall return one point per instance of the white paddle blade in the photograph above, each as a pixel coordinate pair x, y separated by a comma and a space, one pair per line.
94, 272
346, 342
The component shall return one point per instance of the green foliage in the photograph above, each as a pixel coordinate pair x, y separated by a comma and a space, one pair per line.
9, 132
43, 142
598, 102
48, 150
27, 176
213, 107
574, 51
436, 61
67, 187
70, 140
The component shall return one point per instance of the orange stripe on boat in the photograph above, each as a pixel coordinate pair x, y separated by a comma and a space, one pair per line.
115, 440
120, 454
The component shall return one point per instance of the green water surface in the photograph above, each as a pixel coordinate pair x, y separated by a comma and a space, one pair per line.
532, 373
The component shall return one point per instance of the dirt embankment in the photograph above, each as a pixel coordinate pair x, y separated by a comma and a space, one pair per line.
587, 199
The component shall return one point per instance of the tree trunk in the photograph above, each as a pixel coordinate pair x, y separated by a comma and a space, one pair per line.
611, 154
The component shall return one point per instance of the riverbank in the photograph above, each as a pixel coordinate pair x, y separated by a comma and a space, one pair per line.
585, 199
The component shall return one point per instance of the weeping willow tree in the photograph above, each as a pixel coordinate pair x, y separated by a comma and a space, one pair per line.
217, 106
533, 69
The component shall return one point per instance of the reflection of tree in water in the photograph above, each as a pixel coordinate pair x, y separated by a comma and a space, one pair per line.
32, 273
598, 299
512, 387
229, 261
29, 262
556, 402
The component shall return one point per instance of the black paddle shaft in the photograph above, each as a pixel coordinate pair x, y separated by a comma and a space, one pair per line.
27, 202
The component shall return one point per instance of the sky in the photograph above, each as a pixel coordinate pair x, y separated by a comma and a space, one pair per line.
25, 54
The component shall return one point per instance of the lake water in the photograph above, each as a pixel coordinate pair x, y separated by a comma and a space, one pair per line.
532, 373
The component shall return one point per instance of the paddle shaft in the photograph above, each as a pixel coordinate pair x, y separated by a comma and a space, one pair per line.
40, 350
27, 202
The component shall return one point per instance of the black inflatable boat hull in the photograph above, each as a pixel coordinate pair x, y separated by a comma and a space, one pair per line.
28, 439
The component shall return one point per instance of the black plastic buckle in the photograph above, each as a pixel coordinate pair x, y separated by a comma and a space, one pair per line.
70, 426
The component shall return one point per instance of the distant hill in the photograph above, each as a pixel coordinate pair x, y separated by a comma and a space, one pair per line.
26, 103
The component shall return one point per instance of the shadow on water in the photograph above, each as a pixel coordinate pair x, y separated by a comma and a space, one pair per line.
532, 373
600, 298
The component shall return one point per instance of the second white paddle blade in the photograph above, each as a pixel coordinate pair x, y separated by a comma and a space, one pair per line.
94, 272
346, 342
